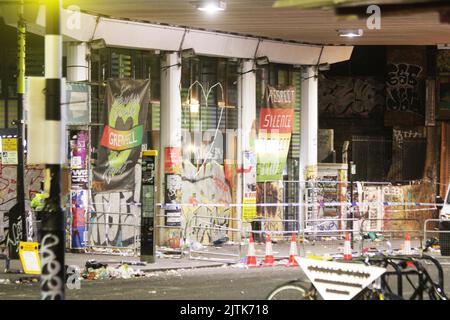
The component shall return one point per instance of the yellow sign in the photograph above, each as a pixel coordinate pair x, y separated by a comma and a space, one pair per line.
147, 153
249, 212
9, 144
29, 256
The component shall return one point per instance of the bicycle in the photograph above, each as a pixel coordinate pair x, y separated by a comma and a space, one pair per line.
381, 289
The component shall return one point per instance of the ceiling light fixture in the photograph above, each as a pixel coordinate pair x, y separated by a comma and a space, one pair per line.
262, 61
187, 53
211, 6
350, 33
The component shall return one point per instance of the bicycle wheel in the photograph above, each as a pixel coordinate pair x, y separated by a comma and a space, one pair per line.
296, 290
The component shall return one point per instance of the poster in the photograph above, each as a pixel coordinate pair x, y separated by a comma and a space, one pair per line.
126, 104
172, 160
78, 108
275, 129
249, 172
372, 210
172, 198
79, 185
9, 151
79, 203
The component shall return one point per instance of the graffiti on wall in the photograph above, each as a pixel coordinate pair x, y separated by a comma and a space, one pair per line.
402, 87
400, 136
350, 96
114, 216
270, 192
205, 224
8, 184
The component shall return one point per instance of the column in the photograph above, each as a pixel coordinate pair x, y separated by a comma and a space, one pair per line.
170, 150
308, 133
78, 70
246, 186
77, 64
53, 220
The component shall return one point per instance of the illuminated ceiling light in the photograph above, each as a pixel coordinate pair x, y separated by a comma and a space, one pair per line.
350, 33
194, 106
211, 6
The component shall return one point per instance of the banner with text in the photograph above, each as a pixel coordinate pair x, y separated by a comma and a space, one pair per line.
275, 129
126, 104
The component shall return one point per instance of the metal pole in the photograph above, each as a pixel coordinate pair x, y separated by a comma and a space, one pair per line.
352, 213
52, 245
17, 219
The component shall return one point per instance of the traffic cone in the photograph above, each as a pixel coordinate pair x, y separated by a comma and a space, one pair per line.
407, 249
251, 256
269, 260
293, 252
347, 247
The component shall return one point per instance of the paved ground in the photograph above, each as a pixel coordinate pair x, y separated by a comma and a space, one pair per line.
211, 283
171, 278
219, 283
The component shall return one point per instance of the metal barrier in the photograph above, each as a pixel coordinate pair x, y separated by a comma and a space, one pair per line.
382, 236
327, 235
112, 229
436, 242
220, 249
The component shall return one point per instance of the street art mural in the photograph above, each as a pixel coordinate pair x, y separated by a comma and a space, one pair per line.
402, 87
350, 96
8, 183
113, 216
206, 185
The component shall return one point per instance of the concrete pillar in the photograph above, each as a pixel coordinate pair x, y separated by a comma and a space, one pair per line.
78, 70
246, 136
308, 132
77, 64
170, 137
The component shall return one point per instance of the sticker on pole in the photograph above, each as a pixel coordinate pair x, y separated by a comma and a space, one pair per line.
29, 256
338, 280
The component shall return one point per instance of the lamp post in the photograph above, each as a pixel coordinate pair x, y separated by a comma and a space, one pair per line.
352, 213
17, 219
52, 243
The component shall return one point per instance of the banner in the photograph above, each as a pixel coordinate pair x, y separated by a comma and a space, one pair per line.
275, 129
126, 104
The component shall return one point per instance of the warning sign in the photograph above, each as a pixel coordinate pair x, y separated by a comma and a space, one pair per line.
9, 151
338, 280
29, 256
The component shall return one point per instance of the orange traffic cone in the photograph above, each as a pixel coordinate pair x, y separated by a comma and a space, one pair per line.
347, 247
251, 256
269, 260
407, 249
293, 252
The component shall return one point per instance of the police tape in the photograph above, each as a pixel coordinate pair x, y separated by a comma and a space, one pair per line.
321, 204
